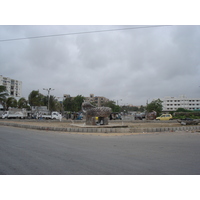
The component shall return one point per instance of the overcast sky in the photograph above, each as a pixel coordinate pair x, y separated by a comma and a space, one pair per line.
131, 66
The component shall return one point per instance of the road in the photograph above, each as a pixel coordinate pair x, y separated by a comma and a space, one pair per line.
31, 152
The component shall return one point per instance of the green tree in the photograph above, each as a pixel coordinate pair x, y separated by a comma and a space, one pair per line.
3, 95
134, 108
35, 98
155, 105
22, 103
11, 102
67, 103
45, 100
73, 104
77, 103
142, 108
183, 110
59, 106
52, 104
112, 105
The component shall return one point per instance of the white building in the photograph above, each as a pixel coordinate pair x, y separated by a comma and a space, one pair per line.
14, 87
173, 103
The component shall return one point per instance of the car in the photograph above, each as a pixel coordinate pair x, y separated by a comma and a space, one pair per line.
165, 117
115, 116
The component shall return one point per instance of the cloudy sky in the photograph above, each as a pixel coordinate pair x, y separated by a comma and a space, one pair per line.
129, 66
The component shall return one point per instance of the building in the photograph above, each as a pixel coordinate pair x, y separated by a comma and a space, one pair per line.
98, 100
173, 103
66, 96
14, 87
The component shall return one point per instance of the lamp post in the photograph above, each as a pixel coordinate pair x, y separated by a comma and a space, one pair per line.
119, 100
48, 94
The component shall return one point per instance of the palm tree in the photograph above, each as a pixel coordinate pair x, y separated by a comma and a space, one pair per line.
11, 102
3, 95
52, 103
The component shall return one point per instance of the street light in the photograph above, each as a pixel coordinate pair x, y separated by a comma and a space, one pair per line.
117, 101
48, 94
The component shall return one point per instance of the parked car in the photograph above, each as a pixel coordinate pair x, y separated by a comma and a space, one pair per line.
165, 117
115, 116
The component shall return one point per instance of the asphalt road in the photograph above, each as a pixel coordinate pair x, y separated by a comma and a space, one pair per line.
31, 152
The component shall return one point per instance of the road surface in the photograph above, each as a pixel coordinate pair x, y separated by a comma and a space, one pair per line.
31, 152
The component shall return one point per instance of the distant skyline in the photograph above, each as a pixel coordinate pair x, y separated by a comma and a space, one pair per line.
134, 65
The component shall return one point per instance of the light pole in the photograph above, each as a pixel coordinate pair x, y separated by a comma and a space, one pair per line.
48, 94
117, 101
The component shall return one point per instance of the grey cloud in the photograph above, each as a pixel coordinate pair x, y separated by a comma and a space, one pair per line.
133, 65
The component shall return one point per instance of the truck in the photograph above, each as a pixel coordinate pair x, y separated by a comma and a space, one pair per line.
14, 113
53, 115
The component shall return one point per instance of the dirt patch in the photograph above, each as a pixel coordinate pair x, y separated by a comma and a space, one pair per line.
69, 123
152, 125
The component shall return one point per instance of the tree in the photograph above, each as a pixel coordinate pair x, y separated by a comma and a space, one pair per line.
45, 100
22, 103
77, 103
73, 104
59, 106
67, 103
11, 102
3, 95
35, 98
112, 105
155, 105
52, 104
183, 110
142, 108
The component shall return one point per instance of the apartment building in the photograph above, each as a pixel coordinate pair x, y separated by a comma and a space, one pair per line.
14, 87
173, 103
97, 100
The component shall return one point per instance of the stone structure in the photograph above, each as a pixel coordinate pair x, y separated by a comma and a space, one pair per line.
92, 112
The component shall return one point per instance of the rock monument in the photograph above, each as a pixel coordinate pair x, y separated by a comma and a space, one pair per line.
92, 112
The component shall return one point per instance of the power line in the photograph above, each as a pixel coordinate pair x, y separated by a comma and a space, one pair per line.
84, 32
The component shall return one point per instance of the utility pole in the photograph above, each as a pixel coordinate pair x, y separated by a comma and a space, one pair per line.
48, 94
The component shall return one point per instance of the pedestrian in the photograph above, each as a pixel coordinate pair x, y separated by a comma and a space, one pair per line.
60, 117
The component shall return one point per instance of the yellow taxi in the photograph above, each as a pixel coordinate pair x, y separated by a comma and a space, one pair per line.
165, 117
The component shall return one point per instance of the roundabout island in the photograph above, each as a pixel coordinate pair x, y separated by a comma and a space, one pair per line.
122, 127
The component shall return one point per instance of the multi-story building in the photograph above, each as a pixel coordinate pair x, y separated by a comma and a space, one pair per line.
97, 100
14, 87
173, 103
66, 96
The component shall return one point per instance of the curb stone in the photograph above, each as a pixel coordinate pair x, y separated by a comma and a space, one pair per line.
105, 130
